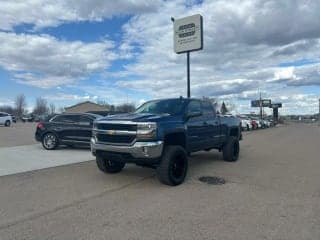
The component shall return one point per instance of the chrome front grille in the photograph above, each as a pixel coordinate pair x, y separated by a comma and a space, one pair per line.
115, 133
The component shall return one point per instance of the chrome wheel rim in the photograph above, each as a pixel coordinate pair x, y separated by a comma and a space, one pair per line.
50, 141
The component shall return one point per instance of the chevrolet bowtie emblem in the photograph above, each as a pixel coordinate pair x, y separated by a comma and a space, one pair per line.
111, 132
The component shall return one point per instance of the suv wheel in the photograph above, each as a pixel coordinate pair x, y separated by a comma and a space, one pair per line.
50, 141
109, 166
231, 150
173, 167
7, 123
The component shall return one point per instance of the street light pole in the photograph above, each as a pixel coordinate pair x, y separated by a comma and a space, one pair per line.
260, 106
319, 114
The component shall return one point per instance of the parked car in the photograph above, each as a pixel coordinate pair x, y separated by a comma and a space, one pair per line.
27, 118
254, 124
161, 134
14, 119
258, 122
40, 118
66, 129
5, 119
266, 123
246, 124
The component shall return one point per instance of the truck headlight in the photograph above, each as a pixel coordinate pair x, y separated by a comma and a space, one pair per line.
146, 131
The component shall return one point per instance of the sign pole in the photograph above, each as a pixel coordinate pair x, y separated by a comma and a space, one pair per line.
319, 114
188, 37
260, 106
188, 74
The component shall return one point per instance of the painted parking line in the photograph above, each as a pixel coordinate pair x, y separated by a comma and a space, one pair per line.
33, 157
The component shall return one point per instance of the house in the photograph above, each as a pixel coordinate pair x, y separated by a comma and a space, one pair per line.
86, 106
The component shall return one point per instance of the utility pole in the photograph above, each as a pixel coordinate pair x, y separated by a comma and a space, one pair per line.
260, 102
319, 114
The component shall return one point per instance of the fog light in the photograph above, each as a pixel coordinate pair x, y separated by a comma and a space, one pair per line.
145, 150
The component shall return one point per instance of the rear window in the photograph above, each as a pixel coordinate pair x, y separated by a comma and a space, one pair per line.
66, 119
207, 108
169, 106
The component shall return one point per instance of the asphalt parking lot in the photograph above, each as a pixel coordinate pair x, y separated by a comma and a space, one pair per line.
272, 192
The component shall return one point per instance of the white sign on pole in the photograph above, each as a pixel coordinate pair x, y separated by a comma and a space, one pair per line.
188, 34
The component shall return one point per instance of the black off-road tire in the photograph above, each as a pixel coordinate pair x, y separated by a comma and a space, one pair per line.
173, 167
54, 141
231, 150
7, 123
109, 166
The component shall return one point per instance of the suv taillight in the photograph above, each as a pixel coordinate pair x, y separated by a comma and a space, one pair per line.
40, 125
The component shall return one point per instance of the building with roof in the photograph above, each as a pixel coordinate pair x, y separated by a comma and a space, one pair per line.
86, 106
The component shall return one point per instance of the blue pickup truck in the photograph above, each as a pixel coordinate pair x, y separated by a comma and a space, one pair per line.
161, 134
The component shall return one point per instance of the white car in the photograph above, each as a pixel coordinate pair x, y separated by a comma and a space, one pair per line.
266, 123
259, 123
5, 119
246, 124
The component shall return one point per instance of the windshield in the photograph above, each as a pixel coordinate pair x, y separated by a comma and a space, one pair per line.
169, 106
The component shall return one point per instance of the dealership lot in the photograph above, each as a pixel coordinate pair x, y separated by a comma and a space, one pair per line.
272, 192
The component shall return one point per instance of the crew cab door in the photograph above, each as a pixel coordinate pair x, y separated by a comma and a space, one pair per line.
2, 118
212, 125
85, 128
66, 127
196, 127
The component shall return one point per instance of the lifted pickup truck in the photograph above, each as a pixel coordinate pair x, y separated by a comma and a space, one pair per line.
161, 134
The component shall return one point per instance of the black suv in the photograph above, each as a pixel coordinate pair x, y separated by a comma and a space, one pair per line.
66, 129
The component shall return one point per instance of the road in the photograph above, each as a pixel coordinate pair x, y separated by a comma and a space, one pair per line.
272, 192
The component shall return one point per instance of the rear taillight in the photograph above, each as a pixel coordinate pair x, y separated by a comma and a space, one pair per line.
40, 125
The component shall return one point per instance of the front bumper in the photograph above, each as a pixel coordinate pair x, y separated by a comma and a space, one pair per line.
139, 150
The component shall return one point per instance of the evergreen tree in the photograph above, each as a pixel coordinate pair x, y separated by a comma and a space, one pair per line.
223, 109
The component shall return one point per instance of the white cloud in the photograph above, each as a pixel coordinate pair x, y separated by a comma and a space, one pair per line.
244, 43
45, 13
44, 61
284, 74
244, 40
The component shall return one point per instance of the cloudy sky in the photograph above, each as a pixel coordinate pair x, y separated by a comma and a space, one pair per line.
122, 51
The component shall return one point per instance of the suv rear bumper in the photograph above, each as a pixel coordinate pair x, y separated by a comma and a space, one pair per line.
139, 150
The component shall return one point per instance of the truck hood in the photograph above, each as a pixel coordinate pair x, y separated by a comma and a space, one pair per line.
139, 117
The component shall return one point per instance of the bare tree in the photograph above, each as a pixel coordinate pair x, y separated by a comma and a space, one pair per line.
231, 106
61, 110
125, 108
41, 106
52, 108
20, 105
7, 109
108, 106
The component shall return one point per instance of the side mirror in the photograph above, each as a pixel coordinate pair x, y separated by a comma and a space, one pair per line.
193, 114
